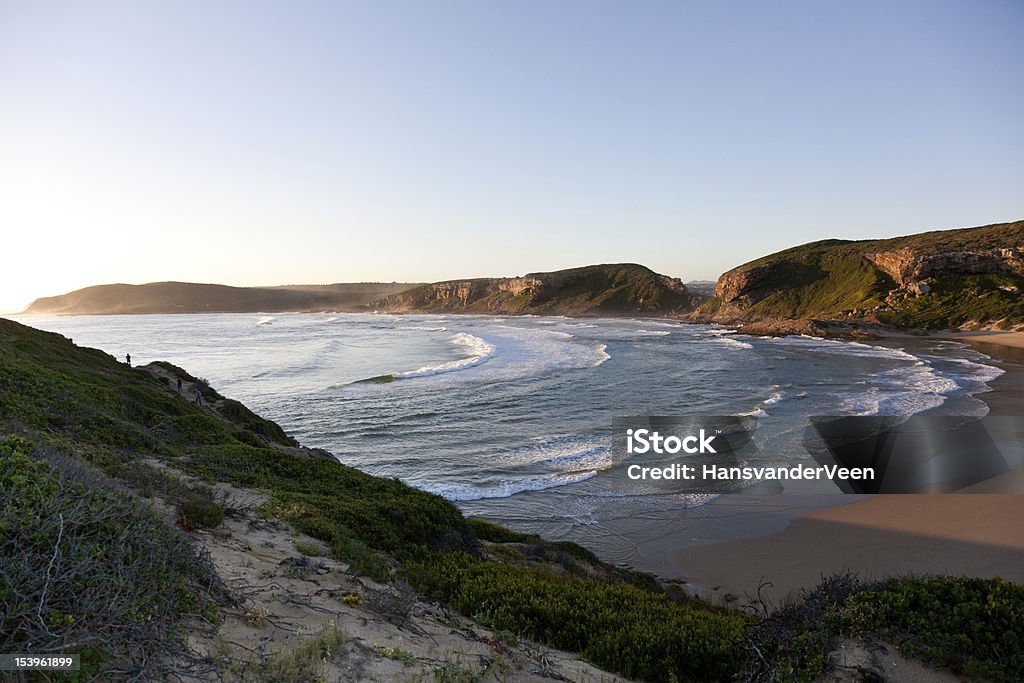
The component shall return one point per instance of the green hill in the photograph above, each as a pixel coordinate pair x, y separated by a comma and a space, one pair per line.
970, 278
191, 297
608, 289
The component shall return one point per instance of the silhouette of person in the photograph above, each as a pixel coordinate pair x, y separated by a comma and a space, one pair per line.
199, 397
179, 386
128, 359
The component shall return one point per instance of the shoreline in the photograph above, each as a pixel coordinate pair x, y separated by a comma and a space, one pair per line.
974, 534
1007, 351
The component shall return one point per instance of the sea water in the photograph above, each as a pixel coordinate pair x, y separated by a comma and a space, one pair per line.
511, 418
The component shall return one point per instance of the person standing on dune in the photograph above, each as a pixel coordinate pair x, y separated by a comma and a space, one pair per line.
128, 359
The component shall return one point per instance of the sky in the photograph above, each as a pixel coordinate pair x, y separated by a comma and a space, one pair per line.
312, 142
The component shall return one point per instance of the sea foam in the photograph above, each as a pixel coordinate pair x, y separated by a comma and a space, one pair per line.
504, 488
566, 453
480, 352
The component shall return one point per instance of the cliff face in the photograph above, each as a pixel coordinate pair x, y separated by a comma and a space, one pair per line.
906, 266
591, 290
953, 278
732, 286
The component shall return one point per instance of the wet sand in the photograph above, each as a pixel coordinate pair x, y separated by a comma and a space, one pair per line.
970, 534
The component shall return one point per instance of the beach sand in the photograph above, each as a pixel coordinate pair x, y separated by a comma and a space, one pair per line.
974, 534
1010, 339
971, 534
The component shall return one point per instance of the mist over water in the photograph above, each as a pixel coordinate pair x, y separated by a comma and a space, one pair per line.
512, 417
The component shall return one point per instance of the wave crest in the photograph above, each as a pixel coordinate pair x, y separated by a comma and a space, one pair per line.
503, 489
480, 351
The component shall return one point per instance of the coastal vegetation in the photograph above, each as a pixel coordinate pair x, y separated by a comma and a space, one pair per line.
104, 470
972, 626
86, 569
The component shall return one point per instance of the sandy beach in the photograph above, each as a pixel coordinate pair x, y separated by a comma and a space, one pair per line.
1010, 339
974, 534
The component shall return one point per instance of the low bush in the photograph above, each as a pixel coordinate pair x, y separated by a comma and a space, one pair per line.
334, 503
625, 629
495, 533
309, 548
305, 663
393, 601
362, 559
201, 511
974, 626
85, 569
793, 642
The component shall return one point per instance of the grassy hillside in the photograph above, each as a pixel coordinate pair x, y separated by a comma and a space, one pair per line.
608, 289
89, 566
190, 297
121, 422
822, 279
971, 277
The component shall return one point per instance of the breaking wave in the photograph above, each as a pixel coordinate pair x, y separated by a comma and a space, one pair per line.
503, 489
480, 352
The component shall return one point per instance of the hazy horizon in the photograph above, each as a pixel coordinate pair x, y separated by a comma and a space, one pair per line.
409, 142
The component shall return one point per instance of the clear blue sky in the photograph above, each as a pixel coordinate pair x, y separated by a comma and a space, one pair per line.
267, 143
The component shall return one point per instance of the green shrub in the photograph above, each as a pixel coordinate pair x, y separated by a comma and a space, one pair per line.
362, 559
974, 626
328, 500
302, 664
248, 438
495, 533
253, 424
794, 641
631, 631
202, 512
309, 548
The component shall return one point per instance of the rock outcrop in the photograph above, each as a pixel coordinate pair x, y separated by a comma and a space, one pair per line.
907, 265
739, 283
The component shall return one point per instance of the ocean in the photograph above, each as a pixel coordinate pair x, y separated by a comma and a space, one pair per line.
511, 418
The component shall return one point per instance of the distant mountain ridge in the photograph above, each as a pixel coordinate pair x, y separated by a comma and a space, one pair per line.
606, 289
969, 278
190, 297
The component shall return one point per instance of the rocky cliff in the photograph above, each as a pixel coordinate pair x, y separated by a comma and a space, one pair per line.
906, 266
966, 278
610, 289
